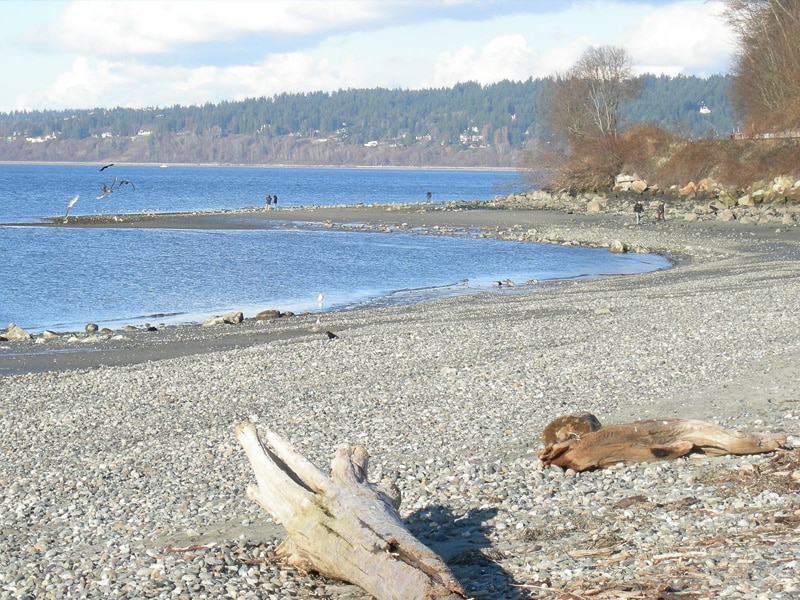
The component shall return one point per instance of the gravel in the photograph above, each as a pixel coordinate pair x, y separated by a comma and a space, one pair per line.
127, 480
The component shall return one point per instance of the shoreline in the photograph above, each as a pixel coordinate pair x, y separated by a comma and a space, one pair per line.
126, 478
78, 350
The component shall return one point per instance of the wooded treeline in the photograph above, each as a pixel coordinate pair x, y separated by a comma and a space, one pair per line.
466, 125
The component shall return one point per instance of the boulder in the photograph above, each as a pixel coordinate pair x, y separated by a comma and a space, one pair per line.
638, 186
782, 184
233, 318
617, 247
266, 315
746, 200
726, 215
91, 328
594, 206
230, 318
49, 335
15, 333
689, 190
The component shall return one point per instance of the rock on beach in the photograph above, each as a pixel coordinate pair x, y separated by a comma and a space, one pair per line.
126, 479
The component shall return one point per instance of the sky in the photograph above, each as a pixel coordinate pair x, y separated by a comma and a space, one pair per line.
61, 55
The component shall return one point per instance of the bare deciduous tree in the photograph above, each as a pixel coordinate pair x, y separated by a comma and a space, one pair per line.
766, 86
587, 98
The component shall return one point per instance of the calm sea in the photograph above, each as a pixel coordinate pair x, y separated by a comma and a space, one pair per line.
63, 278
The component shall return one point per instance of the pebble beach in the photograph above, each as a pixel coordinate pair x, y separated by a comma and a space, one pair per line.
120, 476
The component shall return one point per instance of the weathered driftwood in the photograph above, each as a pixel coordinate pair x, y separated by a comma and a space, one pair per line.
340, 525
571, 443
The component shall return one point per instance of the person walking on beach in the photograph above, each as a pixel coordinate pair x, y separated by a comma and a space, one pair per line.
638, 209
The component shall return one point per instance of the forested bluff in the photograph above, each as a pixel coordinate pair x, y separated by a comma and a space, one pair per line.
468, 125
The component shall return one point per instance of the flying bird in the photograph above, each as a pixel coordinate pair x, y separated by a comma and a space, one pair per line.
125, 182
72, 203
104, 167
107, 189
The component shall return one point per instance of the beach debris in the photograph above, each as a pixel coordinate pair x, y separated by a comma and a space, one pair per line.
340, 525
579, 442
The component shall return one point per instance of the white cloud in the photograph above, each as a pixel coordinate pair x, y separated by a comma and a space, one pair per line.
134, 27
85, 80
682, 37
157, 53
504, 57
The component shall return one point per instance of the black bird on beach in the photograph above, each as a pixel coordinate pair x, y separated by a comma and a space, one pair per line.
107, 189
104, 167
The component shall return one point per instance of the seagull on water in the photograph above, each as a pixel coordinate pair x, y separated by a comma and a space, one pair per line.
72, 203
320, 300
107, 189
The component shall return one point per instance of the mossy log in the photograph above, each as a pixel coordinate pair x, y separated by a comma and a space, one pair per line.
585, 446
341, 525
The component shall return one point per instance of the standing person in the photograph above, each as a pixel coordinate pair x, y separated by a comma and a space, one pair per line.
638, 209
275, 200
269, 201
660, 211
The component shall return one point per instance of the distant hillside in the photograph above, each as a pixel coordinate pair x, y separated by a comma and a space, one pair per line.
469, 125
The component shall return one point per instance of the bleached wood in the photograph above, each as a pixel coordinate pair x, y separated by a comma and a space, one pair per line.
341, 525
651, 440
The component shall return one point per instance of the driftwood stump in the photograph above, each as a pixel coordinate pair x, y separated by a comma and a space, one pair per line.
573, 443
340, 525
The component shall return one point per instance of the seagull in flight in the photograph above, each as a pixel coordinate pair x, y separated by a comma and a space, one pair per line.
107, 189
72, 203
125, 182
104, 167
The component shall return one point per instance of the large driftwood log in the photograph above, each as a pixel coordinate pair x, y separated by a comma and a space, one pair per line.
572, 443
340, 525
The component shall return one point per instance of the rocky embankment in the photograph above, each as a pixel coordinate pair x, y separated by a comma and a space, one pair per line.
775, 202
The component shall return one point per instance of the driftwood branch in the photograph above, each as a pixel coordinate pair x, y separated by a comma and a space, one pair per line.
578, 442
341, 525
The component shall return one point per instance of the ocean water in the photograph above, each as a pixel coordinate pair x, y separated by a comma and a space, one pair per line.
63, 278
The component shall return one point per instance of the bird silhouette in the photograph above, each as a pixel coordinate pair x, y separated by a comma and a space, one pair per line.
107, 189
72, 203
125, 182
104, 167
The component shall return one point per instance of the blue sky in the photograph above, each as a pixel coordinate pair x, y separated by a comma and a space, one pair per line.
145, 53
